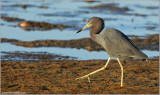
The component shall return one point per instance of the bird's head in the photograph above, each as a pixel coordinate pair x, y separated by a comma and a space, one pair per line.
92, 22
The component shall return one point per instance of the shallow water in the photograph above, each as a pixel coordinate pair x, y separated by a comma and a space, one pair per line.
73, 13
80, 54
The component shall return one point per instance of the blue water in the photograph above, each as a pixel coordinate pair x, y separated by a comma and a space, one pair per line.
73, 12
80, 54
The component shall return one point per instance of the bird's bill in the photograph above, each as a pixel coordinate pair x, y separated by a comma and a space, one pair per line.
85, 27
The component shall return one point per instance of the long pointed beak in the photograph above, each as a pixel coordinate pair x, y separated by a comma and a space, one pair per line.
85, 27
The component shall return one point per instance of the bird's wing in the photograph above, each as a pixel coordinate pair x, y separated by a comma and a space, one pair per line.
119, 45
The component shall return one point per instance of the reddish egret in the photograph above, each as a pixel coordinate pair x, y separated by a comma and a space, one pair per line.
117, 44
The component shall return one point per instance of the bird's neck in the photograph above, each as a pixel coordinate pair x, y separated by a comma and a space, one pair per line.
95, 31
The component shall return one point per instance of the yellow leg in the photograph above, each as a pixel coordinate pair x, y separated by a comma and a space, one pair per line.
121, 72
85, 76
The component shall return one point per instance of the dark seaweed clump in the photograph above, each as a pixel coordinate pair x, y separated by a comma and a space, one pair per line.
150, 43
11, 19
32, 25
110, 7
22, 56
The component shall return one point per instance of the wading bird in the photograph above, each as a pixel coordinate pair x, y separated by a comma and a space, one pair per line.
117, 44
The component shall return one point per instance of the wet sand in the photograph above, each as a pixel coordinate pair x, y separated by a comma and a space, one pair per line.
58, 77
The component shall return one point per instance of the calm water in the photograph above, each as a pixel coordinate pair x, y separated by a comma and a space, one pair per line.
73, 12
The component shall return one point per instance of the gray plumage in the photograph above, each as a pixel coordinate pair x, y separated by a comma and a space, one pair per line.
116, 43
119, 45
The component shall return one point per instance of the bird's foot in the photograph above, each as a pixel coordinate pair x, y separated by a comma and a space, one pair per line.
84, 77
